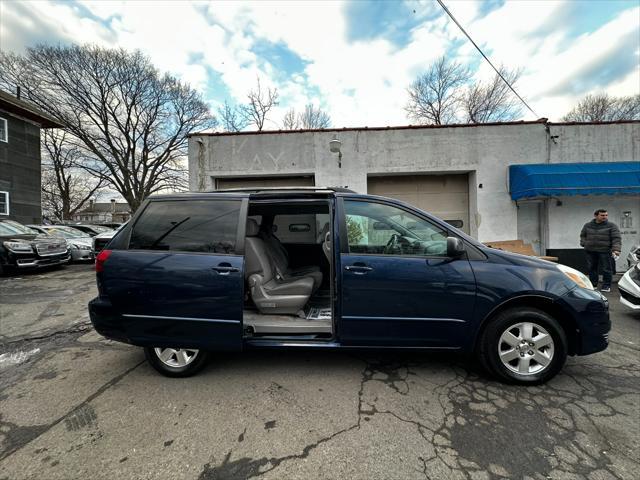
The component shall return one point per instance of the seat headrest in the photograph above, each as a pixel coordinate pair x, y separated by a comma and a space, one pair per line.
252, 227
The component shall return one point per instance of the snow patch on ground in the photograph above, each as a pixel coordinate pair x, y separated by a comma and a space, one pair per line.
15, 358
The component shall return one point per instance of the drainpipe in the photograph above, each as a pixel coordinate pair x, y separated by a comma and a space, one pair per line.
544, 217
202, 175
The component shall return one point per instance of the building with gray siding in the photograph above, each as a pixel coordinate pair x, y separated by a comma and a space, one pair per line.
20, 168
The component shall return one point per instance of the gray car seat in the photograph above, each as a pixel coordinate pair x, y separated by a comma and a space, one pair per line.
280, 260
270, 292
325, 238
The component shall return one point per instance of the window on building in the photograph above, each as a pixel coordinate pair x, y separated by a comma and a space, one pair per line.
4, 203
4, 132
208, 226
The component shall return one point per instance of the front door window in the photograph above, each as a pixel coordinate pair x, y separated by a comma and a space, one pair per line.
379, 229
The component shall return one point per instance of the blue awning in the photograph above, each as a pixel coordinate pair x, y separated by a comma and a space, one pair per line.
562, 179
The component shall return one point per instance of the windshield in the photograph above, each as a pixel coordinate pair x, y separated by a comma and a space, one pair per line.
9, 227
65, 232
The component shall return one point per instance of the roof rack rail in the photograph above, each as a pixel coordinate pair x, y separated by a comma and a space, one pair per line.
285, 189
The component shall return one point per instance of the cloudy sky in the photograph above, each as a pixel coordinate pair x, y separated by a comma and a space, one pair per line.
354, 59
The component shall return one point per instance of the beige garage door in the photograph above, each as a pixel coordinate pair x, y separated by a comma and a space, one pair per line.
251, 182
445, 196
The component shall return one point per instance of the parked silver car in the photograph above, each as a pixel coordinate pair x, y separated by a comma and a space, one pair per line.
80, 243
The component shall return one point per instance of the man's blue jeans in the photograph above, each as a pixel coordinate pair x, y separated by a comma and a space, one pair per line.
597, 261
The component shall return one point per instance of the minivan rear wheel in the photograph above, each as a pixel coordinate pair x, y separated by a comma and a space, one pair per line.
176, 362
524, 346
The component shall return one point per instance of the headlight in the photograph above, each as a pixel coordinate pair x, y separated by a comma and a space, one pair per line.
80, 246
19, 247
576, 276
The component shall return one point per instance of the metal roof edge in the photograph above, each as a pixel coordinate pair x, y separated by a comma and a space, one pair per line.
610, 122
348, 129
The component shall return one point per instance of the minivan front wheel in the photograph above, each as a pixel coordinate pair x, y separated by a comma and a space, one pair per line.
176, 362
523, 345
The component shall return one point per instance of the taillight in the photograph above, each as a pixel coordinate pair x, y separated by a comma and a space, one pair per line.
101, 258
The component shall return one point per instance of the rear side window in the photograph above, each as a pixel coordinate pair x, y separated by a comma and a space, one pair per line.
207, 226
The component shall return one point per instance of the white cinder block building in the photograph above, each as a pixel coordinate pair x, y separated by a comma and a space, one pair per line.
460, 173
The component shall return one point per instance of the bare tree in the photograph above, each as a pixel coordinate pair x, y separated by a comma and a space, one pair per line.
290, 120
232, 118
602, 107
310, 118
129, 121
492, 101
435, 96
66, 188
260, 103
313, 117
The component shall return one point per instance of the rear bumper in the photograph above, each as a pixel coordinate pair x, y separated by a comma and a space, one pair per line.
106, 321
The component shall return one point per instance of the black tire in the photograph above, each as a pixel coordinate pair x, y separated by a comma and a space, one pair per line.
514, 321
193, 367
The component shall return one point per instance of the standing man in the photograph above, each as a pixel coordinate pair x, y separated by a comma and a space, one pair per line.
600, 239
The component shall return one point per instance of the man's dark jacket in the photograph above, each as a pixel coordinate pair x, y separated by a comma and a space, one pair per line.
600, 237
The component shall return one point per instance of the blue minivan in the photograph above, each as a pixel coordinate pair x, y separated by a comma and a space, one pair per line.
329, 268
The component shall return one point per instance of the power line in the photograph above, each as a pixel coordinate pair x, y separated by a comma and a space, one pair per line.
485, 57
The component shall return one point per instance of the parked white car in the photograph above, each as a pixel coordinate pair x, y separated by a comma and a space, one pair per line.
629, 286
634, 256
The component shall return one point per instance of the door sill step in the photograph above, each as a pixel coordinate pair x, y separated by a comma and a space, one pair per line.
289, 342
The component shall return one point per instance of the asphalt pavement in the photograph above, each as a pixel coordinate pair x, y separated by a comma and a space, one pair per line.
76, 406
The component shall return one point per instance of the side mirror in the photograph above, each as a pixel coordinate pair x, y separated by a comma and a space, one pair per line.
455, 247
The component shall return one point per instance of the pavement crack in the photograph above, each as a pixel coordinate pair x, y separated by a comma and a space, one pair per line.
77, 328
625, 345
24, 440
246, 468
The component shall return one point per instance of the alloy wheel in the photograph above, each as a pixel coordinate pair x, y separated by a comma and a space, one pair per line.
176, 357
526, 348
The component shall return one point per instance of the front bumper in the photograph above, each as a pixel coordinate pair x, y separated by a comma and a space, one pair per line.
590, 310
82, 254
30, 260
629, 291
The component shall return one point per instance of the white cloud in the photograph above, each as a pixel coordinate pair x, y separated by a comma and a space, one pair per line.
359, 83
551, 59
22, 25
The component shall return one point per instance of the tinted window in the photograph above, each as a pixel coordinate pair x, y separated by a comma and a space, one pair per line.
188, 226
379, 229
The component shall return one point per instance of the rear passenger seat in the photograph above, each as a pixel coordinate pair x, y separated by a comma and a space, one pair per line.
280, 258
270, 292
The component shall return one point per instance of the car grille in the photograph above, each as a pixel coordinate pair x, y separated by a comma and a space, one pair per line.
629, 298
46, 249
99, 244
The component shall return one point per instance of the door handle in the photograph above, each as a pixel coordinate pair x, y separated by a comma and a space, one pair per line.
225, 269
358, 269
